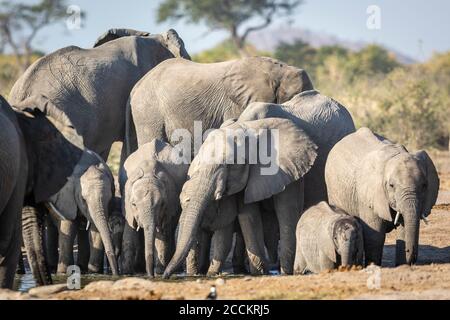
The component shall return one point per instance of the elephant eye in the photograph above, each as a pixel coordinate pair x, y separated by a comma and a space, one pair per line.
391, 185
424, 186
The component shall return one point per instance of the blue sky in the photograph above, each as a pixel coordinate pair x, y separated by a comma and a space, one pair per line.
416, 28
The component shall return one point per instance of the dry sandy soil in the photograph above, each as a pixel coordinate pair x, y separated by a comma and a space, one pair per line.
429, 279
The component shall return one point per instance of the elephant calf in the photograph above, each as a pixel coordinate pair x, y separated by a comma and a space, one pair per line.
327, 237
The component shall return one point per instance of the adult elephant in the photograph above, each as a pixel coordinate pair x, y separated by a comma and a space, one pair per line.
325, 120
385, 186
91, 86
13, 178
178, 92
49, 150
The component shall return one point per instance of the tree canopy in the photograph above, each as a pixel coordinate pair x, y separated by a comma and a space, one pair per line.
238, 17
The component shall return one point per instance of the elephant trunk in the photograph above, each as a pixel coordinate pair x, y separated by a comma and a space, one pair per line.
411, 223
33, 241
99, 218
149, 235
346, 254
190, 220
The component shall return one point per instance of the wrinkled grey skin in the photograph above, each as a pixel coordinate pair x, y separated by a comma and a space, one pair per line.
151, 182
381, 182
50, 149
89, 194
209, 181
327, 238
86, 91
91, 86
211, 93
13, 178
325, 120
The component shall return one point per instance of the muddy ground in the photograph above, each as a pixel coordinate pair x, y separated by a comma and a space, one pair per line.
429, 279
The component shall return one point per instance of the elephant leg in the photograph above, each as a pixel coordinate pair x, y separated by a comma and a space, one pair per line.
299, 262
252, 230
10, 241
374, 236
21, 265
325, 263
271, 235
400, 249
239, 253
97, 251
165, 248
129, 249
32, 231
197, 254
66, 239
139, 263
105, 154
51, 243
288, 206
83, 249
222, 240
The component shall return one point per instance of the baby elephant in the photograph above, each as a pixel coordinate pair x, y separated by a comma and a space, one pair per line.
327, 237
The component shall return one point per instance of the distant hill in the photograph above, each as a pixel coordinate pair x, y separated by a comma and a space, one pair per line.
269, 39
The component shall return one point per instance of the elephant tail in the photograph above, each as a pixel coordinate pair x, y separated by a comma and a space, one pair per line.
130, 132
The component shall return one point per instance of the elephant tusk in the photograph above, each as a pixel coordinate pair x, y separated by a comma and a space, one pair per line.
137, 229
88, 225
424, 218
55, 211
397, 216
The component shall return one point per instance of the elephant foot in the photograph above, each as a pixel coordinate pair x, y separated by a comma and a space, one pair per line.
257, 265
95, 269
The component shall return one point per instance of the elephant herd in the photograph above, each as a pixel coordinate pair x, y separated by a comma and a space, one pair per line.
242, 157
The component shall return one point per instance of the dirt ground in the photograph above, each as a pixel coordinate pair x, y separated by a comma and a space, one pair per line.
429, 279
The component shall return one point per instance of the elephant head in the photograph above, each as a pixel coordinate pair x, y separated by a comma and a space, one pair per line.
90, 191
348, 241
153, 183
170, 39
401, 188
232, 160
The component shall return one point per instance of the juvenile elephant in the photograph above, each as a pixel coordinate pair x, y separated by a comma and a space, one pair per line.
208, 93
217, 172
151, 182
13, 179
327, 237
325, 120
91, 86
386, 187
87, 195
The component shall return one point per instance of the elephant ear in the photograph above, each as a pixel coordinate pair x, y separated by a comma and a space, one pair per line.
175, 44
371, 185
113, 34
432, 181
63, 204
54, 146
326, 242
126, 204
290, 155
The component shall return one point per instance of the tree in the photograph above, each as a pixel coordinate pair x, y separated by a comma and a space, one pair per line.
238, 17
20, 23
